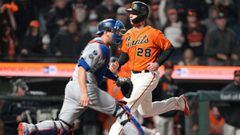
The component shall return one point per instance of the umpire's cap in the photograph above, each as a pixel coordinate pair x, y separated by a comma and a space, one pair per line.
139, 8
20, 83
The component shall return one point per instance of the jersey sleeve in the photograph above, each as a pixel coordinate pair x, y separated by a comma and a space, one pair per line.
160, 40
124, 47
90, 57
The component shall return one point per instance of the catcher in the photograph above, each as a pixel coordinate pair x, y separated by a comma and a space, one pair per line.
83, 91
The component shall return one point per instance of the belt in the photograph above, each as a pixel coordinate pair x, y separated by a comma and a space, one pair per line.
143, 71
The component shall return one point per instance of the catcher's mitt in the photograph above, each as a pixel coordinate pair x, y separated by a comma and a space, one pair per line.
125, 85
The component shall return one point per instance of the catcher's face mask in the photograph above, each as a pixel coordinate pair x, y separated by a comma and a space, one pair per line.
118, 31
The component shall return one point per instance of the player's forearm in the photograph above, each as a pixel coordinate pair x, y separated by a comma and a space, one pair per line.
82, 80
123, 59
165, 55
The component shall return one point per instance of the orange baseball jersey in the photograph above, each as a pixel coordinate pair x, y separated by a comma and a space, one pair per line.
143, 46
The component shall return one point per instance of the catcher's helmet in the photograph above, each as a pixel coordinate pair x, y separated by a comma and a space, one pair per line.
140, 9
111, 25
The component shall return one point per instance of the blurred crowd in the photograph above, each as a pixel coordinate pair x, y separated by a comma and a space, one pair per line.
204, 32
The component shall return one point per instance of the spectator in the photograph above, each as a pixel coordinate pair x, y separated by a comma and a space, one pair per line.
173, 32
107, 9
221, 45
7, 43
210, 21
194, 34
189, 58
91, 29
228, 7
127, 4
232, 117
66, 43
23, 16
166, 5
80, 12
216, 121
32, 45
58, 16
154, 16
199, 6
123, 16
165, 89
235, 85
13, 112
7, 11
46, 44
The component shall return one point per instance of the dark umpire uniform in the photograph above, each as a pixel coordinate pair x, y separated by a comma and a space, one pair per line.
12, 112
231, 113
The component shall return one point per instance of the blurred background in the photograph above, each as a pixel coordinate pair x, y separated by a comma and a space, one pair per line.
41, 40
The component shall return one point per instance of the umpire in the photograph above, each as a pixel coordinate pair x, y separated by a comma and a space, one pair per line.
13, 112
232, 112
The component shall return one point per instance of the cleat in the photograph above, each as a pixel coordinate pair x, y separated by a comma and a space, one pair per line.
186, 109
22, 129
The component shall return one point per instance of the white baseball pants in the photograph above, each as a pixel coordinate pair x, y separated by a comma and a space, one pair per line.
141, 98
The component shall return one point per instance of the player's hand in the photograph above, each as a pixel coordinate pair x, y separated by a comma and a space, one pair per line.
153, 66
114, 67
85, 100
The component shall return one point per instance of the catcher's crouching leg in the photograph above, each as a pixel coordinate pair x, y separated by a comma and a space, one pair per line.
123, 115
59, 127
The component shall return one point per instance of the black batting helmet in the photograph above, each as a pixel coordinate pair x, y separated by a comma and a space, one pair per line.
139, 8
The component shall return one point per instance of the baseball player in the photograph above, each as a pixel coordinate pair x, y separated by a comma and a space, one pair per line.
83, 91
146, 49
